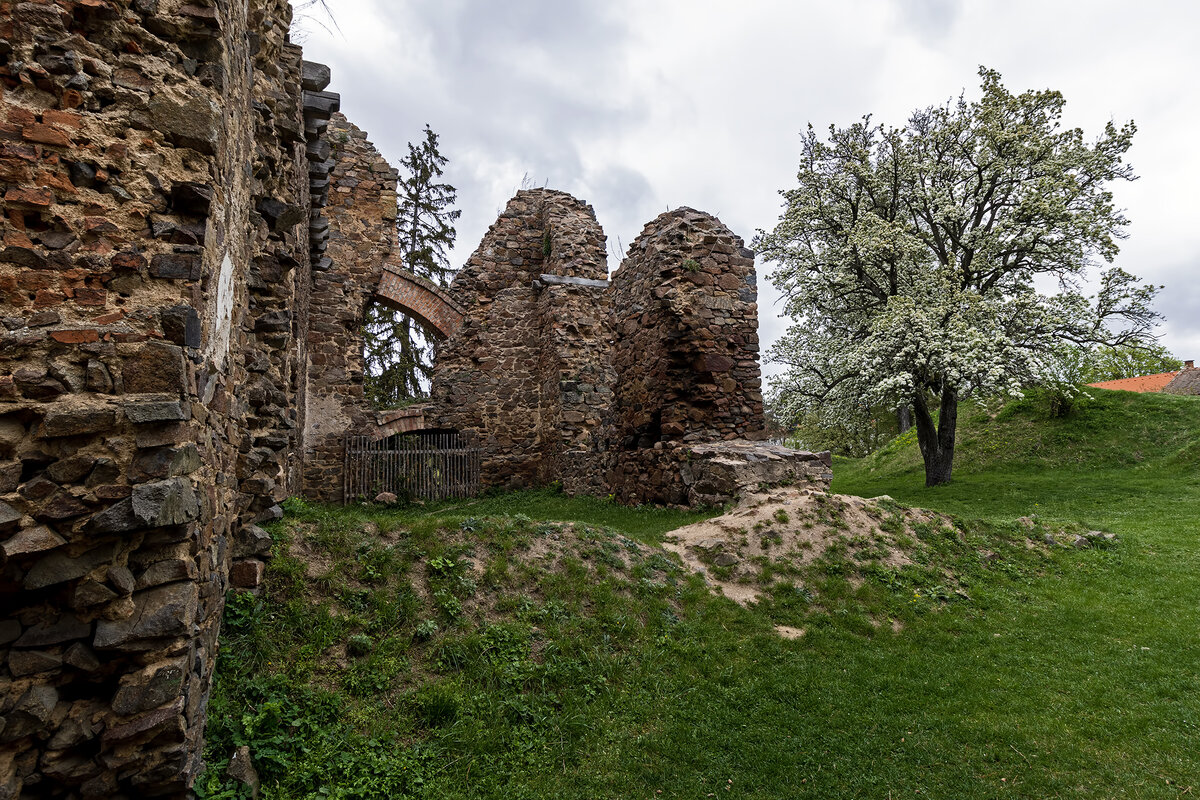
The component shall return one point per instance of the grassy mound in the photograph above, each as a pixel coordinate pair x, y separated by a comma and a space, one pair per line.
535, 646
805, 558
384, 643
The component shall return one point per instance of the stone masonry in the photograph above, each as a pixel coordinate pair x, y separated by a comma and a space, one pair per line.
527, 372
190, 239
156, 160
647, 388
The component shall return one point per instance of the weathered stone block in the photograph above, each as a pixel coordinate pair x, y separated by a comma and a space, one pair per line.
22, 663
32, 712
247, 574
188, 115
168, 502
251, 540
158, 613
156, 367
146, 411
77, 421
31, 540
177, 266
181, 325
9, 517
58, 566
66, 628
150, 689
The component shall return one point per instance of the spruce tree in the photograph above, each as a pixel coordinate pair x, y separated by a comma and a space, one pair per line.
398, 355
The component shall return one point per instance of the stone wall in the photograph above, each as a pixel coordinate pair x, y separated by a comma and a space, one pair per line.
155, 178
527, 372
189, 248
604, 388
361, 238
686, 316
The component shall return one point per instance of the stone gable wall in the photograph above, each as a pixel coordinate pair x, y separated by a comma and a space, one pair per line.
511, 375
361, 238
686, 316
155, 169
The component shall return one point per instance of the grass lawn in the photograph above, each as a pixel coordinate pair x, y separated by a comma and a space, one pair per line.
579, 662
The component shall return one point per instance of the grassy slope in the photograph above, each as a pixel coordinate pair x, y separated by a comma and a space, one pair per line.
1079, 681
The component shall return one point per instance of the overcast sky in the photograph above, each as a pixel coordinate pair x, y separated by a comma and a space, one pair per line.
640, 106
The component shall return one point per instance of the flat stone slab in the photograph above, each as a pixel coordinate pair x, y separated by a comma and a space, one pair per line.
567, 280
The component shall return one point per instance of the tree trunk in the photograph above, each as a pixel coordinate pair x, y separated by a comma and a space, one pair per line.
937, 443
904, 418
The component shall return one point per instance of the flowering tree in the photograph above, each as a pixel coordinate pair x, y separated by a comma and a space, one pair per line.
913, 261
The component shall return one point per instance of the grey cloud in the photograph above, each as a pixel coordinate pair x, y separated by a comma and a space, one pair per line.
931, 20
1179, 302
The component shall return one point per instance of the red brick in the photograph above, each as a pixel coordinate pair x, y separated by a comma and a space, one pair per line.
13, 171
109, 318
71, 99
56, 181
99, 225
38, 198
75, 337
66, 119
15, 150
86, 296
48, 297
21, 116
31, 280
127, 260
46, 134
17, 239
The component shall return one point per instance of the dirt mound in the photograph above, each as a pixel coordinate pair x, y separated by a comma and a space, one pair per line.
781, 531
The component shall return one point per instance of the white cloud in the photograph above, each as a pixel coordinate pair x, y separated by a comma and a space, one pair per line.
636, 107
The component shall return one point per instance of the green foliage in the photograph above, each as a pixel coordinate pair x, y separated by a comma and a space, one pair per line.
398, 355
1114, 363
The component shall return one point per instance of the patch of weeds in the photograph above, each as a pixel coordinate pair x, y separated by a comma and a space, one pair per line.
359, 644
447, 604
425, 630
435, 705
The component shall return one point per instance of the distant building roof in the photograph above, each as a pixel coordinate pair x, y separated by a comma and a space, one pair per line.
1186, 381
1142, 383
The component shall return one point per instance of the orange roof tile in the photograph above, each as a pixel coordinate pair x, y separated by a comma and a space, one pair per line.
1142, 383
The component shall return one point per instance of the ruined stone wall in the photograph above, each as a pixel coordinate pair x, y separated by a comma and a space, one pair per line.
527, 372
686, 318
361, 238
154, 175
686, 353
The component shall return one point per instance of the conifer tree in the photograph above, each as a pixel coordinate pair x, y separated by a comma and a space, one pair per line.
398, 355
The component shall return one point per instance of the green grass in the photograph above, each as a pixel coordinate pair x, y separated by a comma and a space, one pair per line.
1066, 674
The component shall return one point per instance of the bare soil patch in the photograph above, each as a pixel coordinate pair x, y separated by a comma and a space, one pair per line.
788, 528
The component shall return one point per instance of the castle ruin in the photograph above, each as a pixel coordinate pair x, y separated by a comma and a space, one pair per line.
191, 237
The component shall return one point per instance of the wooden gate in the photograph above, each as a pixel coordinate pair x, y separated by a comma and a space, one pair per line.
426, 465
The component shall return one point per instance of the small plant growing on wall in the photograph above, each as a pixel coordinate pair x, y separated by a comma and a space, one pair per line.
691, 265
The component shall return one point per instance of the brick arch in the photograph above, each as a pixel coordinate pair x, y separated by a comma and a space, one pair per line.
420, 298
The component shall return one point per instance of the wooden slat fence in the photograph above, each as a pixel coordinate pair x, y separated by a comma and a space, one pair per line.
428, 465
